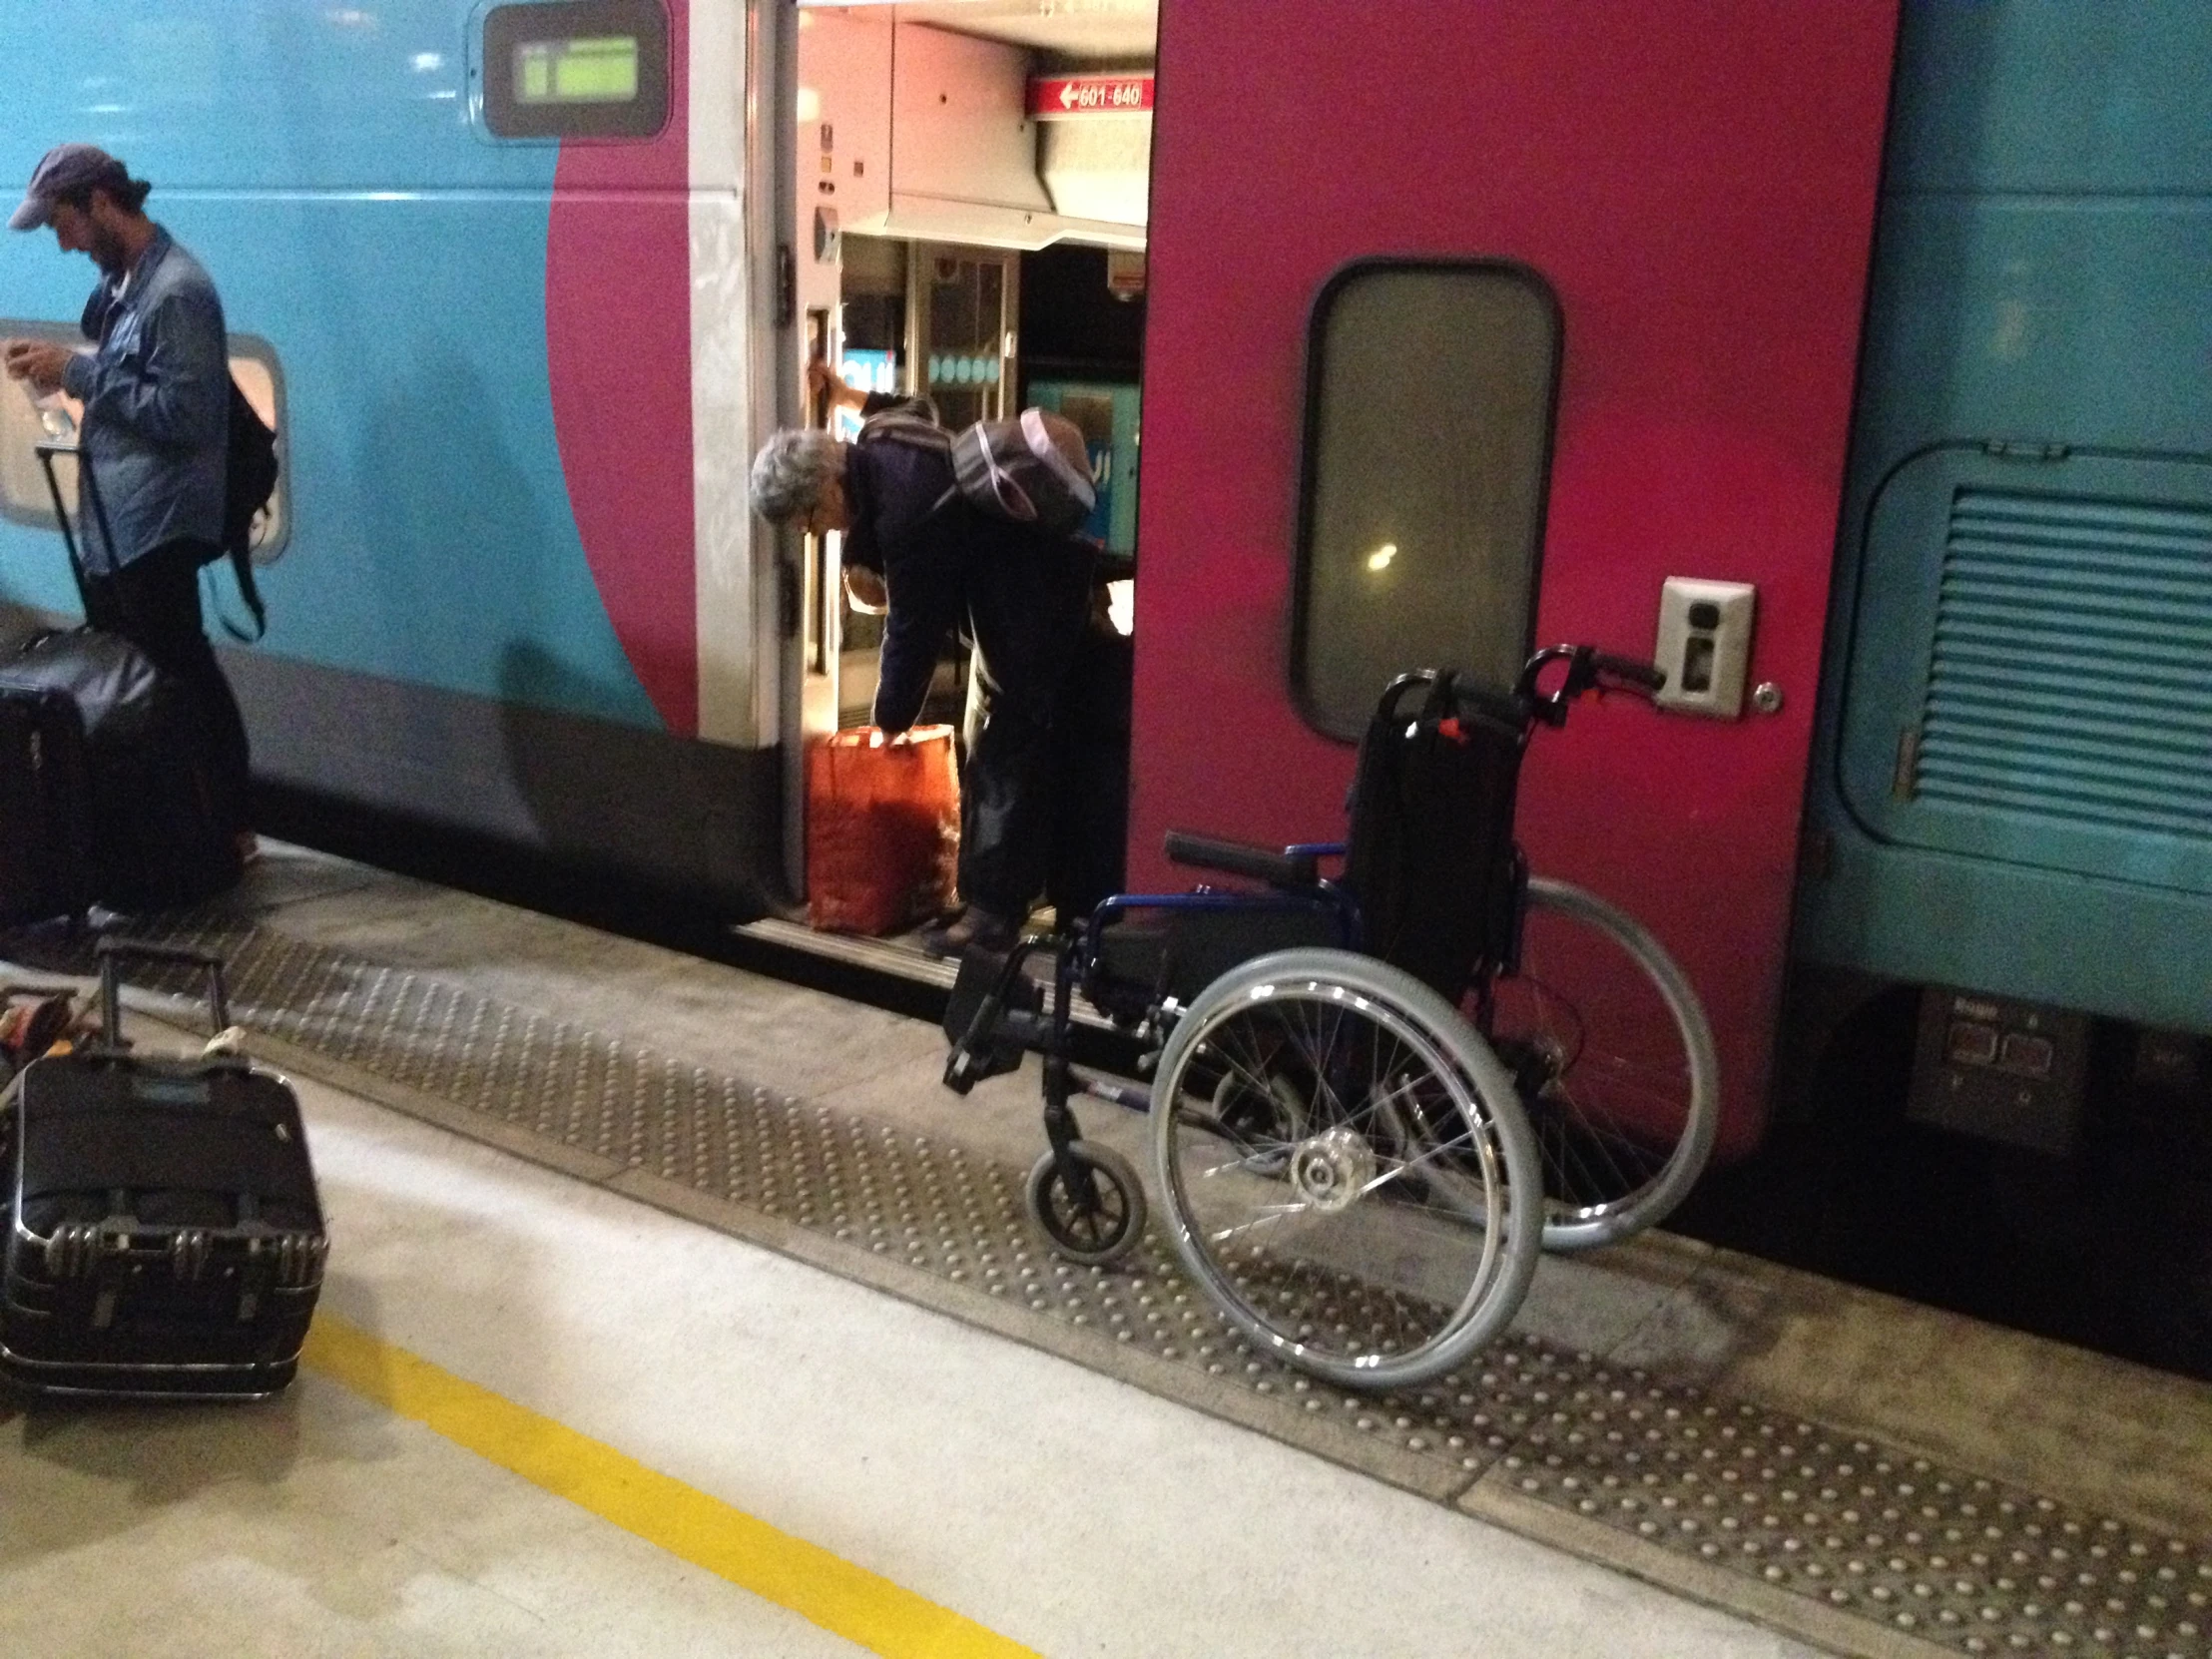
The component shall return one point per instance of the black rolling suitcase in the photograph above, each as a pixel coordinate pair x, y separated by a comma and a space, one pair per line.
45, 807
163, 1235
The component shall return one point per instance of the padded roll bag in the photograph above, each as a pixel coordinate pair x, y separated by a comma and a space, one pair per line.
883, 829
45, 808
163, 1234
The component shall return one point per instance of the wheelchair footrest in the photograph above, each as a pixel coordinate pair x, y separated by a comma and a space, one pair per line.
994, 1016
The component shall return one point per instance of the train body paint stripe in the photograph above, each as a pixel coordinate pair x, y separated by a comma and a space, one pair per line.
618, 352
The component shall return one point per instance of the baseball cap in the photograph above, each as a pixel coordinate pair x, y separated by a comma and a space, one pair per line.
62, 170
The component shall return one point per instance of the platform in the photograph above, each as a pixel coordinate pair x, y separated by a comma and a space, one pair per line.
1854, 1471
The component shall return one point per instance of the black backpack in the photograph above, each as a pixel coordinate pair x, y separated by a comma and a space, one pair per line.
1032, 469
248, 481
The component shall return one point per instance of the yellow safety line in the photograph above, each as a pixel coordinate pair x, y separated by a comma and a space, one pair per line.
846, 1600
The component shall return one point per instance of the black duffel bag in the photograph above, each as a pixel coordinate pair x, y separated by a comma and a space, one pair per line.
156, 839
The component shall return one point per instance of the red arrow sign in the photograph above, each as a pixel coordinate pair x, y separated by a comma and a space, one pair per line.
1058, 96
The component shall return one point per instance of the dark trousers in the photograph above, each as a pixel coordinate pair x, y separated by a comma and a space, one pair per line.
1027, 607
1090, 772
154, 602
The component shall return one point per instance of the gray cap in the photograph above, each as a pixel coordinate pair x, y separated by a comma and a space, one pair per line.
66, 170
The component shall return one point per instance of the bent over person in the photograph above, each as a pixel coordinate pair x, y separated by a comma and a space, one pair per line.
157, 399
1021, 595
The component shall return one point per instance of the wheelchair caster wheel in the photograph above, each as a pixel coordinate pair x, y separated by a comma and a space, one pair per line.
1089, 1227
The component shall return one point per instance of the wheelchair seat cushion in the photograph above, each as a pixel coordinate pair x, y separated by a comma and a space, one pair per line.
1150, 952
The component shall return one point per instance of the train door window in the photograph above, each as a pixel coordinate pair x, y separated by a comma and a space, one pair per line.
1431, 391
24, 495
561, 69
963, 307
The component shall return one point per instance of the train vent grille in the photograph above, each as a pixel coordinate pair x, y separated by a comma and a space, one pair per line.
2073, 668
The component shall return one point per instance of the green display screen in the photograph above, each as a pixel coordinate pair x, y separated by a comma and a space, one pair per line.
594, 69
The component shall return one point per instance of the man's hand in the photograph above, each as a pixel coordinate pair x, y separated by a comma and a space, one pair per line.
865, 590
822, 380
38, 363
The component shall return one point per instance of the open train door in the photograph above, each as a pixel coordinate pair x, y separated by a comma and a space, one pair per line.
1696, 184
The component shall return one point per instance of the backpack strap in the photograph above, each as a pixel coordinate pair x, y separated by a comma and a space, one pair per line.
251, 469
910, 420
913, 422
242, 567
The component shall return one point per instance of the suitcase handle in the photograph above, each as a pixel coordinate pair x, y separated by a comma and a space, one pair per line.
88, 492
113, 951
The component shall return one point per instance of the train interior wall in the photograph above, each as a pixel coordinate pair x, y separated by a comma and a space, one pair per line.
966, 238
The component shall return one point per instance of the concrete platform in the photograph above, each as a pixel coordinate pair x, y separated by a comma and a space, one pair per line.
1865, 1474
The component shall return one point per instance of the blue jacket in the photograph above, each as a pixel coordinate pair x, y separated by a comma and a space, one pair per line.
157, 399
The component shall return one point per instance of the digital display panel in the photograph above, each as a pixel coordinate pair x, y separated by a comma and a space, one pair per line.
574, 69
597, 69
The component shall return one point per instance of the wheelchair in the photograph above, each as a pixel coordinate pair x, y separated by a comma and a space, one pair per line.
1376, 1098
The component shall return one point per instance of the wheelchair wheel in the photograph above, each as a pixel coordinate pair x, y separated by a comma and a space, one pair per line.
1611, 1054
1345, 1168
1091, 1227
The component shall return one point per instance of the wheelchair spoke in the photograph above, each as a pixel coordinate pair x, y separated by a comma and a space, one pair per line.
1272, 1213
1613, 1058
1334, 1176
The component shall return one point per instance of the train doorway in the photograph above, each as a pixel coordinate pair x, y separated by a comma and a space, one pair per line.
968, 184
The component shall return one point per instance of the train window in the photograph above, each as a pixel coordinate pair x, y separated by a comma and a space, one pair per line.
1430, 389
594, 69
24, 498
24, 495
255, 367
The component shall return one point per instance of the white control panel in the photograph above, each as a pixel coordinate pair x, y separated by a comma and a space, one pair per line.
1704, 645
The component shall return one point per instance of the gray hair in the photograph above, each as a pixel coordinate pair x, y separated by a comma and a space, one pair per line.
792, 470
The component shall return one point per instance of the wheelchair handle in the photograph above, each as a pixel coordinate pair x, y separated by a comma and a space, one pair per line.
1588, 669
1293, 868
1638, 676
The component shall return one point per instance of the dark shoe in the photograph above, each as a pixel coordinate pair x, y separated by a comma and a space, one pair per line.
975, 929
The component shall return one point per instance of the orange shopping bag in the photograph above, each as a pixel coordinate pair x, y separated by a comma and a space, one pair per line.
883, 829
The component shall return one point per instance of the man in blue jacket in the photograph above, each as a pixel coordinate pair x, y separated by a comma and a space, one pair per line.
156, 392
1021, 597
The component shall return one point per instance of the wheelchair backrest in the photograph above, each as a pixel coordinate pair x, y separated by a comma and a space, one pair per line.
1430, 860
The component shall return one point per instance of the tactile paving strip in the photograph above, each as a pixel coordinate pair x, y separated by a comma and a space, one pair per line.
1886, 1541
1968, 1563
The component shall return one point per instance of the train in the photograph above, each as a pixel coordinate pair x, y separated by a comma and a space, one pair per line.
1849, 357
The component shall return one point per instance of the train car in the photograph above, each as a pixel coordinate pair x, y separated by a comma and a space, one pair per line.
1750, 336
517, 356
2010, 800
